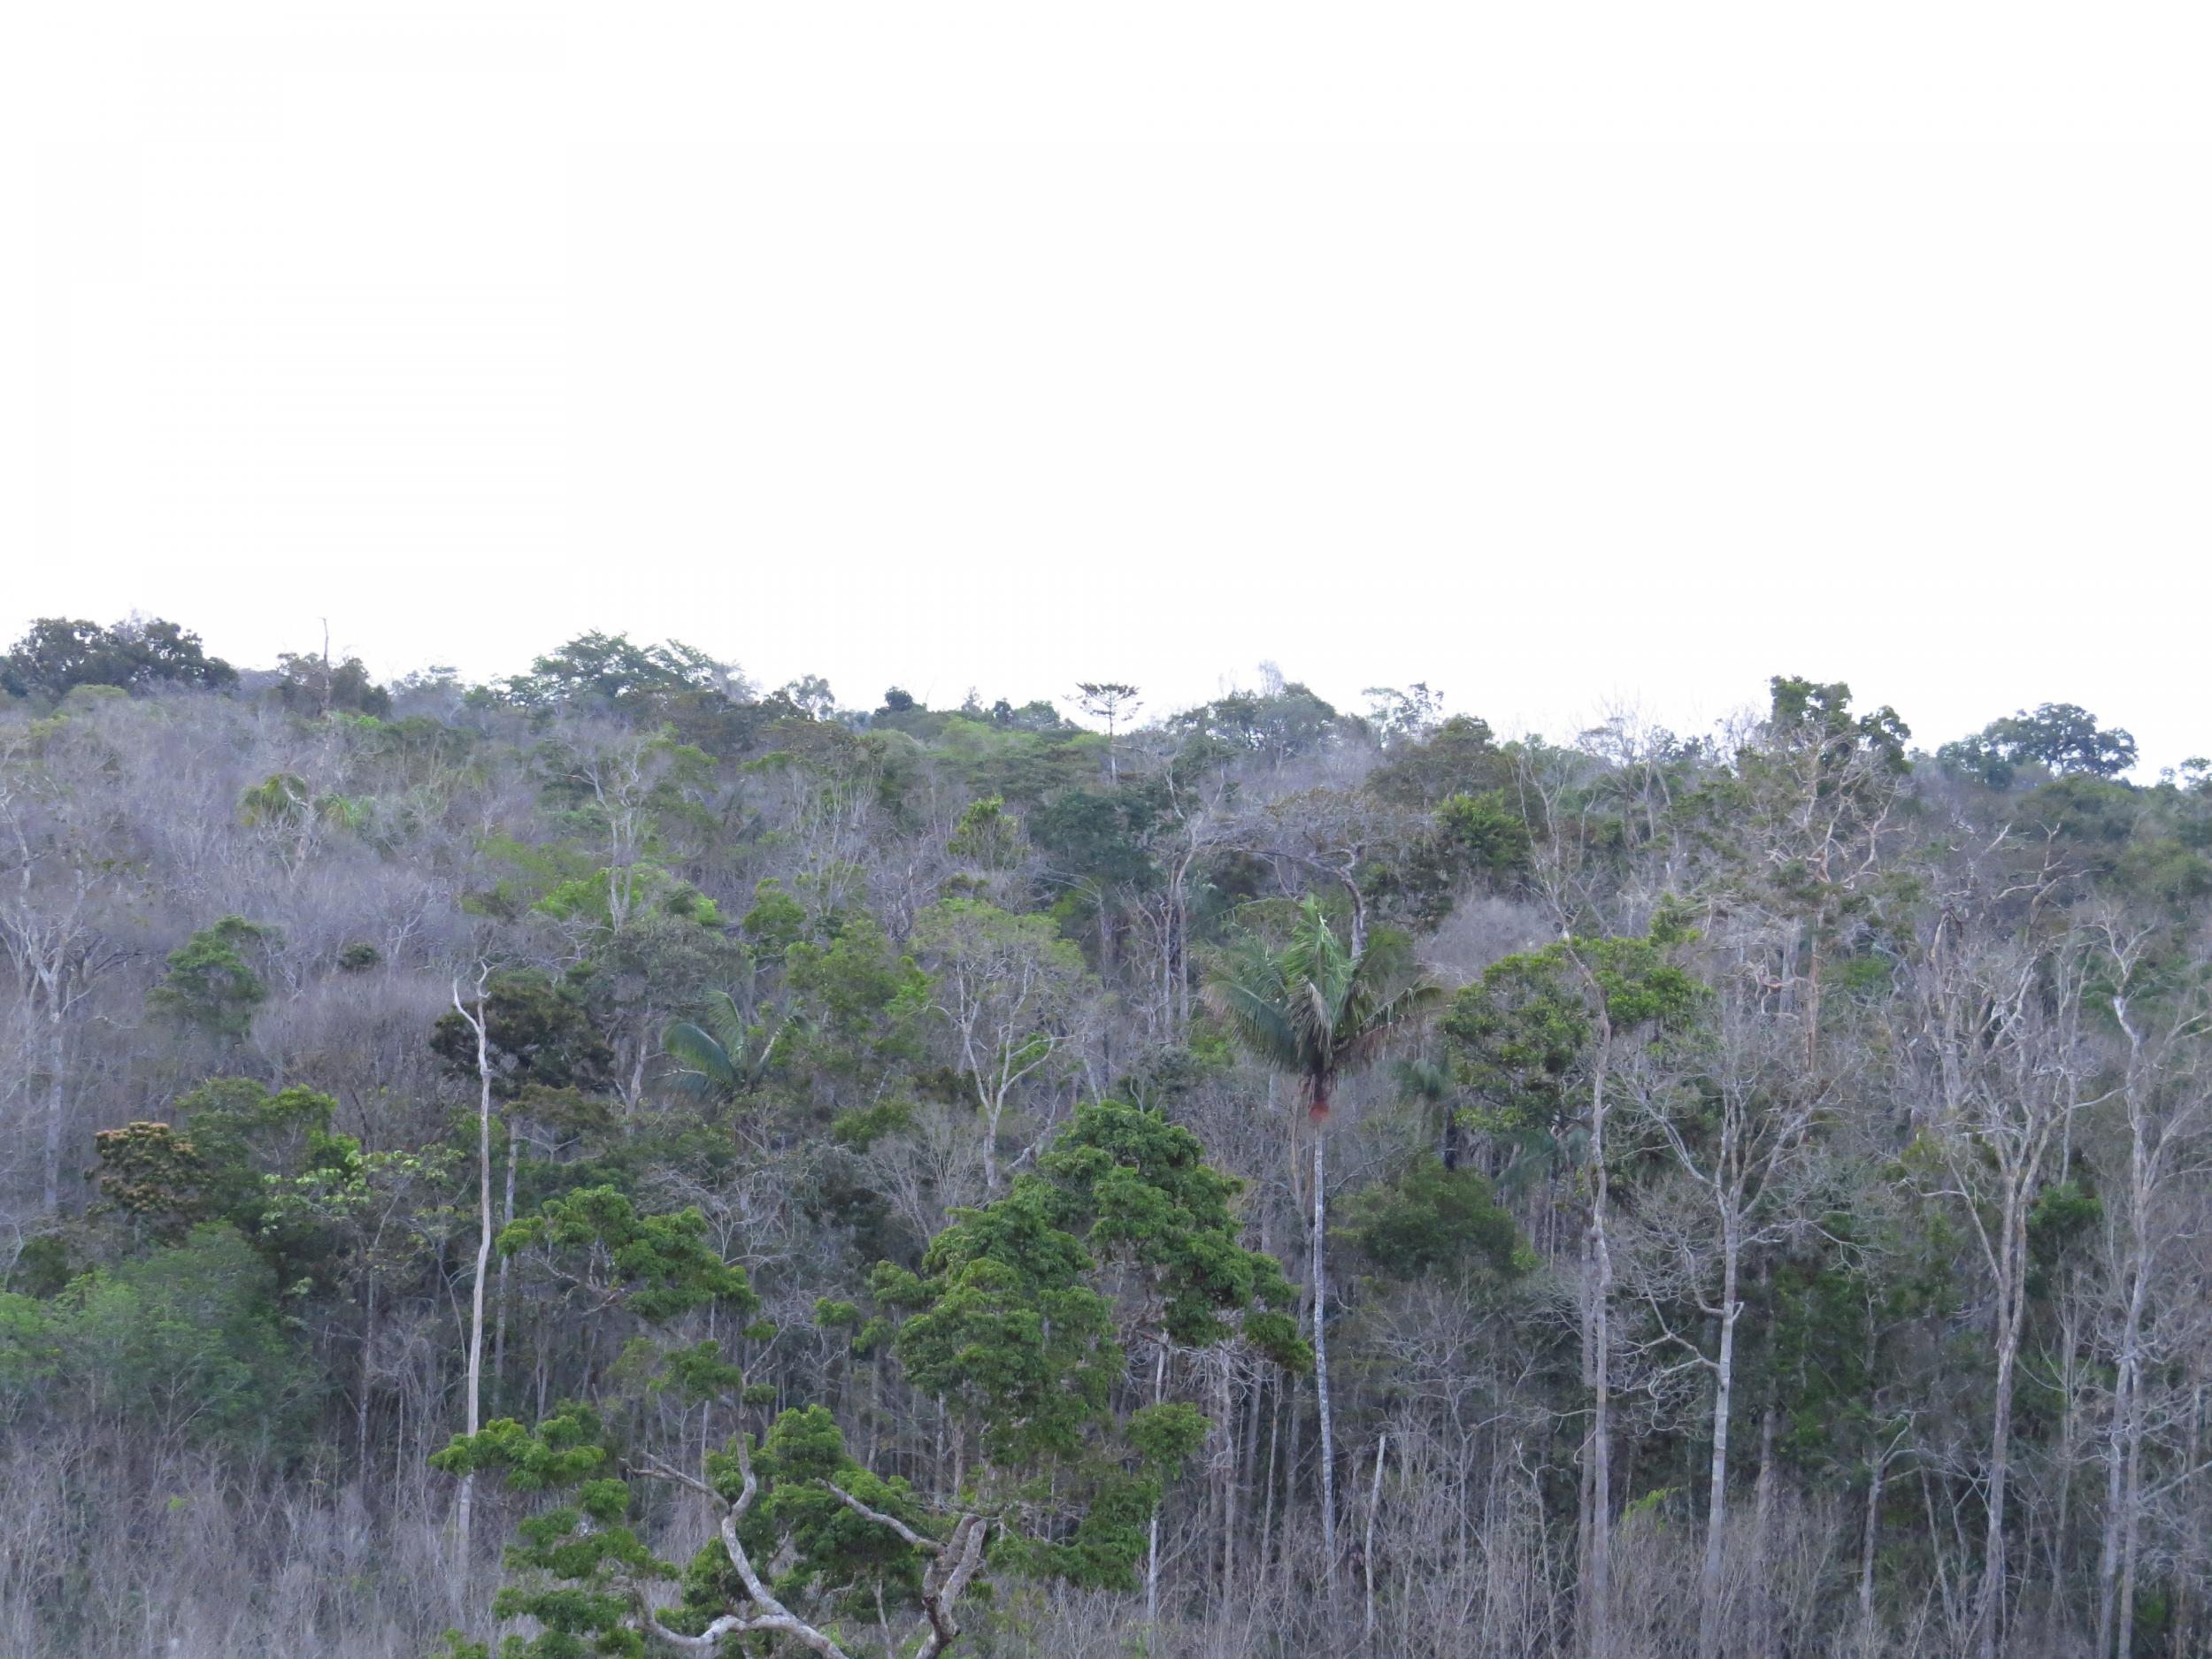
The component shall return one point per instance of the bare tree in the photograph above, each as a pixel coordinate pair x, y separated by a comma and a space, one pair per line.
954, 1564
2006, 1029
1012, 994
2164, 1098
57, 921
1741, 1138
478, 1022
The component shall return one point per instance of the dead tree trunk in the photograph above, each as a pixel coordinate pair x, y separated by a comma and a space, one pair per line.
464, 1510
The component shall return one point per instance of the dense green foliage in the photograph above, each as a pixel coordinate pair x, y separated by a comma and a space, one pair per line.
899, 1128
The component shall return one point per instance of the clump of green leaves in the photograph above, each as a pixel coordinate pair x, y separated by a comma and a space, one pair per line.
210, 984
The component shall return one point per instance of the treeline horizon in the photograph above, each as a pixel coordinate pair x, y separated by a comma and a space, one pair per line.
143, 654
619, 1159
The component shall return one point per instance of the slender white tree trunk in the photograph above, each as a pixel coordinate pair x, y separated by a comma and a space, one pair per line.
464, 1511
1367, 1557
2115, 1553
1152, 1547
1866, 1551
2131, 1535
1763, 1644
2109, 1541
1321, 1357
1598, 1588
1710, 1582
993, 1108
2117, 1562
2011, 1304
57, 1105
1232, 1476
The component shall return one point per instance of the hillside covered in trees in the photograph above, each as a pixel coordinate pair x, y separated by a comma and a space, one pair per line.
623, 1160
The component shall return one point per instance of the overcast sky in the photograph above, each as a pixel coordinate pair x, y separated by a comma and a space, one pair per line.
1556, 355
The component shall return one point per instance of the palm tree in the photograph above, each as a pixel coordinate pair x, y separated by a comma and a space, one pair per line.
1315, 1010
717, 1053
1429, 1084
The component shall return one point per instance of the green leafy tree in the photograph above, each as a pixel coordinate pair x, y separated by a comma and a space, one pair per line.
987, 835
1468, 839
210, 985
311, 684
607, 671
233, 1138
812, 1546
1008, 1329
1433, 1221
807, 1538
187, 1344
1007, 1324
385, 1214
1424, 767
809, 696
1802, 826
863, 1005
2063, 739
1139, 1191
538, 1035
59, 653
1400, 717
1276, 724
597, 1244
776, 922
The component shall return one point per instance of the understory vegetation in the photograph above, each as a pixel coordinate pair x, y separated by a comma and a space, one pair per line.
623, 1161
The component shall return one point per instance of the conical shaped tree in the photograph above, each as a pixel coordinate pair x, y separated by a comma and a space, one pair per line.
1315, 1010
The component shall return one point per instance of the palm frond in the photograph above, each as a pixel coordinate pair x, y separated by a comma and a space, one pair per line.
1422, 1079
1314, 1009
1316, 1018
1259, 1021
726, 1023
1385, 1019
708, 1066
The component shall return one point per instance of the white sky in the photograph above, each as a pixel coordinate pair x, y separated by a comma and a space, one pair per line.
1553, 353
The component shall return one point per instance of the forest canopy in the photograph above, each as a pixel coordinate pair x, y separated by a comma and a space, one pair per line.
621, 1159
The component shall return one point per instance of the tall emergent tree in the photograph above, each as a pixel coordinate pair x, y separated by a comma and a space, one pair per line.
479, 1024
1112, 702
1316, 1008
